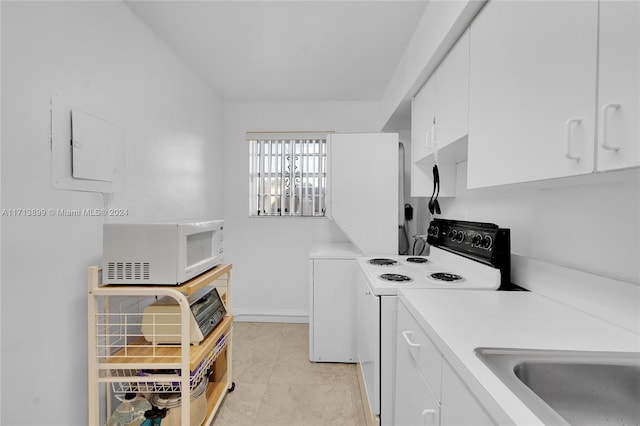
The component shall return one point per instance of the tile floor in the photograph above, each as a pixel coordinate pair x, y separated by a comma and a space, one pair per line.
276, 384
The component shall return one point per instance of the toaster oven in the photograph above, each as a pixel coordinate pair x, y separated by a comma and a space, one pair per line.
161, 319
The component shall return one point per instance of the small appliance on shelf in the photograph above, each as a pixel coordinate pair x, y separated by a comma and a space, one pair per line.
160, 253
161, 319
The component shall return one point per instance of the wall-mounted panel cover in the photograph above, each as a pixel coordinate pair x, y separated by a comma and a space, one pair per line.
94, 147
83, 167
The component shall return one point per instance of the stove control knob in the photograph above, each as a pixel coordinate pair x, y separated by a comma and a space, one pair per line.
475, 241
487, 241
452, 234
460, 237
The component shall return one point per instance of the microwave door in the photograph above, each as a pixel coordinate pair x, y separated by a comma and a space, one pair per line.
201, 247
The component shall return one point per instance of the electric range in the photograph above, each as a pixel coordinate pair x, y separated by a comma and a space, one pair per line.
467, 256
441, 269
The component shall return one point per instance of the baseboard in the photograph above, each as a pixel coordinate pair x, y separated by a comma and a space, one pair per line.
252, 315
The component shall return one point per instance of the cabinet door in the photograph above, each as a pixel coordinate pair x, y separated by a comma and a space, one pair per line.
415, 404
459, 406
452, 94
364, 189
333, 317
368, 341
532, 91
619, 88
422, 119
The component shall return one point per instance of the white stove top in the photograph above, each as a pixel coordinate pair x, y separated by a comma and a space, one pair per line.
472, 274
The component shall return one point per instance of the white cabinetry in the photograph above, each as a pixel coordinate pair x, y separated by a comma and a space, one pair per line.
540, 74
460, 406
415, 403
619, 85
422, 116
333, 276
362, 195
368, 342
532, 91
439, 119
428, 391
418, 375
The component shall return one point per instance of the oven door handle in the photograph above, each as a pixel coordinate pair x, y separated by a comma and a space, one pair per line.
406, 334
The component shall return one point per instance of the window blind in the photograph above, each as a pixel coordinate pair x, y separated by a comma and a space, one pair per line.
288, 175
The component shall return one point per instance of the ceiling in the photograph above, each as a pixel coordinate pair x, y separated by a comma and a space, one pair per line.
287, 50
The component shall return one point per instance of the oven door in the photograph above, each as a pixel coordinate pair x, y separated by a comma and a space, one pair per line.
368, 340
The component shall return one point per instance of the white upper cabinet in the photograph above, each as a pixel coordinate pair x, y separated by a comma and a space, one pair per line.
422, 116
452, 94
619, 89
532, 91
439, 117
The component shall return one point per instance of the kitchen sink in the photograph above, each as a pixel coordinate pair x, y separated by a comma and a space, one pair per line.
571, 387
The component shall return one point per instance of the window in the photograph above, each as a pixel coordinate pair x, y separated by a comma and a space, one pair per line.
288, 174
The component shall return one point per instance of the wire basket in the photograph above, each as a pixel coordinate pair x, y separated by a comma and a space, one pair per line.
164, 381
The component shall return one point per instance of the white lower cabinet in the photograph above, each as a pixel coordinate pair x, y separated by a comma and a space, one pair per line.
332, 327
415, 403
428, 390
460, 407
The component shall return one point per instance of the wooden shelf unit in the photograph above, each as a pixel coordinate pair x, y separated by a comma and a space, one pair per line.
120, 307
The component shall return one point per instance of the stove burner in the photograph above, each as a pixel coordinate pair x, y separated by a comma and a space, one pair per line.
395, 277
383, 262
446, 276
417, 260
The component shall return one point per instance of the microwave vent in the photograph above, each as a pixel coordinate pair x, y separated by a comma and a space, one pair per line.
128, 270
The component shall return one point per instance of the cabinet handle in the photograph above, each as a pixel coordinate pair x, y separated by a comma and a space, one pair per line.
603, 143
567, 138
432, 414
406, 334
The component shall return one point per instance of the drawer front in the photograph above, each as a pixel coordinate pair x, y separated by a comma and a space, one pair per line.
427, 357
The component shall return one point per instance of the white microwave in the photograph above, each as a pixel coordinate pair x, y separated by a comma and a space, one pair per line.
160, 253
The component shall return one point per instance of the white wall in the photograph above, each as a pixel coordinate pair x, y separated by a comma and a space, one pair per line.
270, 255
100, 54
591, 224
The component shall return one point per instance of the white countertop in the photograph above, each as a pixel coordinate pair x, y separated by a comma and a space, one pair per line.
460, 321
334, 251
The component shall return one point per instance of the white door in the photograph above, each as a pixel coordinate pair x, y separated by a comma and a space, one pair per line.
532, 91
414, 402
368, 340
422, 120
363, 177
452, 94
459, 405
619, 88
333, 310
